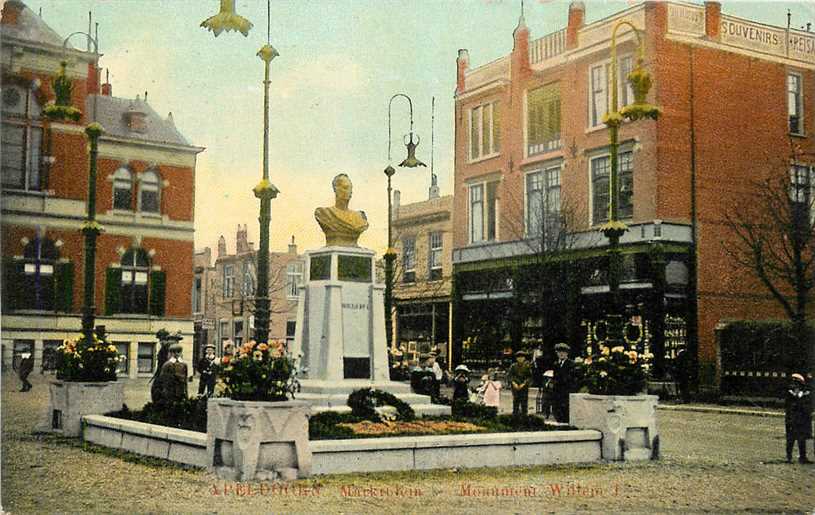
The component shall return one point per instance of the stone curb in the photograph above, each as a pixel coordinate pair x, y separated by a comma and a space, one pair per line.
724, 411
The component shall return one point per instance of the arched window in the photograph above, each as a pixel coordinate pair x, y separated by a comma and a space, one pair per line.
39, 262
21, 138
149, 192
135, 271
123, 189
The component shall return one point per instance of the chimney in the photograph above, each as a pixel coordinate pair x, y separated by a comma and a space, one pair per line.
577, 18
107, 88
397, 196
713, 19
92, 82
136, 117
241, 242
11, 12
462, 65
221, 247
292, 247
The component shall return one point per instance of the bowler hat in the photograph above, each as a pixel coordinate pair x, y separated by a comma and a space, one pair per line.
562, 346
798, 377
521, 352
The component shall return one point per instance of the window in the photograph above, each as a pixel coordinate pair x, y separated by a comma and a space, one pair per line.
39, 261
600, 175
543, 203
543, 119
795, 103
600, 81
123, 189
229, 281
149, 192
146, 357
291, 329
435, 256
49, 355
135, 270
483, 211
409, 260
223, 329
485, 139
238, 338
21, 139
123, 348
196, 295
802, 189
248, 282
294, 278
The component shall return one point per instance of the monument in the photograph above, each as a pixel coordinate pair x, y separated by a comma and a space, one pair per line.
340, 338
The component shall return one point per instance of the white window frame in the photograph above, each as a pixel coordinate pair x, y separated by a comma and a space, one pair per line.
607, 155
492, 147
144, 181
229, 281
120, 176
435, 252
294, 278
29, 120
544, 173
484, 186
625, 92
409, 259
799, 98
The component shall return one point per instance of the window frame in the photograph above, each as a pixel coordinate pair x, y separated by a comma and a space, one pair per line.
121, 180
29, 122
593, 220
141, 355
435, 253
625, 92
494, 132
229, 281
294, 278
546, 145
123, 370
409, 259
799, 103
489, 232
144, 181
545, 188
136, 300
39, 273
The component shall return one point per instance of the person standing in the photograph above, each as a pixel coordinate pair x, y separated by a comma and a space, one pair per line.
461, 384
207, 368
682, 375
562, 382
798, 417
492, 391
24, 370
520, 377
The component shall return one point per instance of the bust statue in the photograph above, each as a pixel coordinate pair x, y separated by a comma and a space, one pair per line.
341, 225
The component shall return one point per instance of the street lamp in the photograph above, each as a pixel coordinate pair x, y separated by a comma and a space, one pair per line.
390, 254
613, 229
62, 109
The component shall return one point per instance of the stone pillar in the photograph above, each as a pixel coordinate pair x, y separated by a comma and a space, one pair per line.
462, 65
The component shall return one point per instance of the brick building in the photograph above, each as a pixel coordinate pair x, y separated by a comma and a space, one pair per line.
423, 239
532, 165
145, 195
228, 298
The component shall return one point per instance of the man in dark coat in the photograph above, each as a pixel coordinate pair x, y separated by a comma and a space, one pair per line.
682, 375
519, 377
562, 382
798, 417
173, 377
25, 368
207, 368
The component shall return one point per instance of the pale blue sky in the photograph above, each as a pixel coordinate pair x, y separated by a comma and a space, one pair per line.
340, 63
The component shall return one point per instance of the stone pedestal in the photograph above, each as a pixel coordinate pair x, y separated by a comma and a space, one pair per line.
340, 337
258, 441
628, 423
70, 401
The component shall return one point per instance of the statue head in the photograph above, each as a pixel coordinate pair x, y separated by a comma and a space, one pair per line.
342, 187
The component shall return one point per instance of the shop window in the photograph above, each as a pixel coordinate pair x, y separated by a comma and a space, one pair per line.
22, 139
146, 357
123, 348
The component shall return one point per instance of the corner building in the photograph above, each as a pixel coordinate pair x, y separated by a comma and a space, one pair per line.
532, 180
145, 192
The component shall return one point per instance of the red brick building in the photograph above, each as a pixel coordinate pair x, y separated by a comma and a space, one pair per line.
145, 195
532, 170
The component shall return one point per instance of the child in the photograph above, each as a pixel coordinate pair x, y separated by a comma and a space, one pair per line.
492, 391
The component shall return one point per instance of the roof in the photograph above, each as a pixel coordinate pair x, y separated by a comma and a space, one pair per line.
110, 112
30, 27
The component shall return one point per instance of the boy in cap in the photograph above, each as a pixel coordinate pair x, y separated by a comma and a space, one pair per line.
798, 417
519, 377
207, 368
562, 382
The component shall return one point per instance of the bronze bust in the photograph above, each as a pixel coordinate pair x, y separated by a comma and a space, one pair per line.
341, 225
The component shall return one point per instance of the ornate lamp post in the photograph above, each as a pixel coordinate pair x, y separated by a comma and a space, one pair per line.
265, 191
390, 254
60, 110
613, 229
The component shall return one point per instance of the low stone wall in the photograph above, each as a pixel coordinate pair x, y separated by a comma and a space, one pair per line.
366, 454
448, 451
177, 445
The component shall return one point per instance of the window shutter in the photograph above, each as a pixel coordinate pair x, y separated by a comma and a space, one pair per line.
64, 286
12, 274
158, 286
113, 291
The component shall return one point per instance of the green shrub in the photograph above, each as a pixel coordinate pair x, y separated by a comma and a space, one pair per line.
463, 408
189, 414
362, 403
324, 426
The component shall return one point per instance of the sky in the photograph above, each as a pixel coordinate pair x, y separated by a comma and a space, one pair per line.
340, 63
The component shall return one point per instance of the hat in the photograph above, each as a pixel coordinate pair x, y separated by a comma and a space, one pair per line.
562, 346
209, 346
175, 347
521, 352
433, 354
463, 368
797, 377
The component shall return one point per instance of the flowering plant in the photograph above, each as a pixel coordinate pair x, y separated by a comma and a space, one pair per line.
615, 371
81, 360
258, 372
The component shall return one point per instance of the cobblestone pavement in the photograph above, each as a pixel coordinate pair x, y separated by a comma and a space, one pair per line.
712, 462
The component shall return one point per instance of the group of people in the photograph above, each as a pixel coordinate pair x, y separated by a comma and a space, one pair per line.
554, 383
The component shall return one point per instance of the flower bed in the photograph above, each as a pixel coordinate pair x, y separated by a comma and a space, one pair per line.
417, 427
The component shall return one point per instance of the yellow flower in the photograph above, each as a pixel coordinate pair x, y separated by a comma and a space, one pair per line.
605, 351
257, 355
112, 348
263, 346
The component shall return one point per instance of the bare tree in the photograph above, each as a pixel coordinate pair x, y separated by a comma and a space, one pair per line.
774, 228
